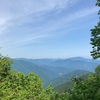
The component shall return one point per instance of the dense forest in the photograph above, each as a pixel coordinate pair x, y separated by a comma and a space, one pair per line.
18, 86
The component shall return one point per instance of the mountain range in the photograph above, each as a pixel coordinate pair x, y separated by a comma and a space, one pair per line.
55, 71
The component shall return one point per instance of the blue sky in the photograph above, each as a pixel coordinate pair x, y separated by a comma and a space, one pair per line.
46, 28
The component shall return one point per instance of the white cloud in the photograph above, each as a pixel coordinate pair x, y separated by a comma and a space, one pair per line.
16, 15
24, 7
11, 10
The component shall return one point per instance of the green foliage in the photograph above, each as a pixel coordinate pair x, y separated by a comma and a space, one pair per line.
5, 63
64, 87
97, 70
95, 37
17, 86
86, 89
68, 85
62, 96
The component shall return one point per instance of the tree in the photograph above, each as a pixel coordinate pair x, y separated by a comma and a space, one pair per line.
95, 37
17, 86
5, 63
88, 89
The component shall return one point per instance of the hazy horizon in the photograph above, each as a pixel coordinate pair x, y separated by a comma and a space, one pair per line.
55, 58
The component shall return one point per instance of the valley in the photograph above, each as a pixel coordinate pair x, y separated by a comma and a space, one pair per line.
55, 71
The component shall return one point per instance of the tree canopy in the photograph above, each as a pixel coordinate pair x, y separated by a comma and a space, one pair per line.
95, 37
18, 86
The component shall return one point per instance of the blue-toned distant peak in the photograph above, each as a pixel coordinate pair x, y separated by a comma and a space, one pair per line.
84, 59
51, 60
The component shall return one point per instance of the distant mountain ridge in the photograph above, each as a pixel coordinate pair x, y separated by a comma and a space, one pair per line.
51, 69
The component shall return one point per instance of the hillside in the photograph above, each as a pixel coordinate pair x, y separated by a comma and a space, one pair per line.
27, 67
51, 69
68, 85
67, 77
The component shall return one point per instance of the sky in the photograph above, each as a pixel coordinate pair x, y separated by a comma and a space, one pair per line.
47, 28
